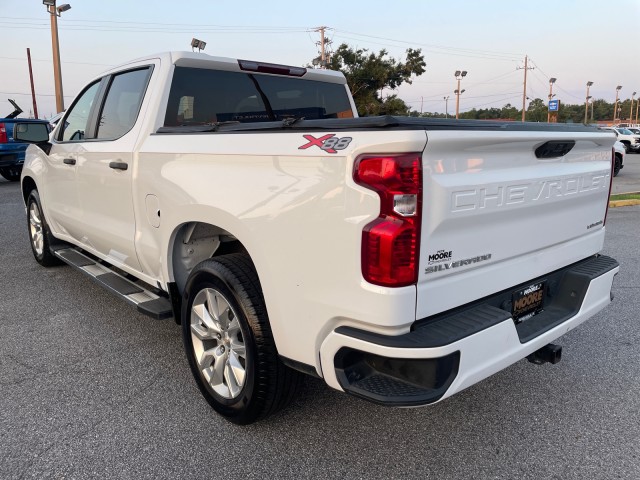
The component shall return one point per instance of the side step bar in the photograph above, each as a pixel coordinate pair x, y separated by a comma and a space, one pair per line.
146, 301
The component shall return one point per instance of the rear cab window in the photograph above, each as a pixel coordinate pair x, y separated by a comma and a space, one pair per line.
201, 96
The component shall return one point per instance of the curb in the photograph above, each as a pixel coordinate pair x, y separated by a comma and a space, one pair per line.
623, 203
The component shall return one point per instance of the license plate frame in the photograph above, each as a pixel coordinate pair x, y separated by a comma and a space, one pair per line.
528, 301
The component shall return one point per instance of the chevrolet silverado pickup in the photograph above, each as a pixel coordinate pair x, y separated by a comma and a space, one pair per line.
402, 260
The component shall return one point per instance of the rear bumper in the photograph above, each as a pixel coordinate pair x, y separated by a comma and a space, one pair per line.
447, 353
12, 154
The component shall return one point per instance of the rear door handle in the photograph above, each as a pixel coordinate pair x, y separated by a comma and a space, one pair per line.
119, 165
69, 161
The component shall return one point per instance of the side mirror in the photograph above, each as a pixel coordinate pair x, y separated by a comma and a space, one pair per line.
31, 132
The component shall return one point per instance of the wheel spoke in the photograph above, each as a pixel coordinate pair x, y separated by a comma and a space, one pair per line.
208, 358
218, 371
236, 368
34, 217
206, 319
201, 332
238, 347
232, 382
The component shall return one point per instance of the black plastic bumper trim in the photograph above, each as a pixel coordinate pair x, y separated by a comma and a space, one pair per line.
398, 382
565, 292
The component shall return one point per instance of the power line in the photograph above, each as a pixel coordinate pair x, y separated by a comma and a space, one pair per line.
74, 63
512, 56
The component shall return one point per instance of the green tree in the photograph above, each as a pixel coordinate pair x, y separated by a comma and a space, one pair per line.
369, 73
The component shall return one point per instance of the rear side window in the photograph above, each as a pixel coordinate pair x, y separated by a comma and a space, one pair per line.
122, 104
201, 96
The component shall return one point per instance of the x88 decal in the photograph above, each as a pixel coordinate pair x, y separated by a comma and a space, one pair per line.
329, 143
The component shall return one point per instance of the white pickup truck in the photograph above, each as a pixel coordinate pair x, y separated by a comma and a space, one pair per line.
401, 260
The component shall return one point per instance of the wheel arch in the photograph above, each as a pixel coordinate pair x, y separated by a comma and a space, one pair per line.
192, 242
28, 184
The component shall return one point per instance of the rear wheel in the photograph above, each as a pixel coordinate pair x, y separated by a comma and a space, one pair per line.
617, 165
11, 173
229, 344
39, 233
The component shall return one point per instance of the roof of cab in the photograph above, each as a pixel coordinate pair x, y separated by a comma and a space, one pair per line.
203, 60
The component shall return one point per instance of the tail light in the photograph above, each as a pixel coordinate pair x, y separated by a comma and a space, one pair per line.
613, 165
391, 243
3, 133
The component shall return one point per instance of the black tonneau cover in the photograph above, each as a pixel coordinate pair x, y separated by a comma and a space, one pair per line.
378, 123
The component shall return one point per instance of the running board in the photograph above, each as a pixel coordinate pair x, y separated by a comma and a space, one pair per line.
146, 301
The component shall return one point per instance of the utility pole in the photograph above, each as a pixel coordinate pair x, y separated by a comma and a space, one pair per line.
33, 90
54, 12
637, 106
323, 53
586, 104
459, 76
631, 111
422, 103
524, 92
446, 106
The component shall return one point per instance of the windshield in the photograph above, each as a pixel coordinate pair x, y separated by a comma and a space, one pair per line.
202, 96
624, 131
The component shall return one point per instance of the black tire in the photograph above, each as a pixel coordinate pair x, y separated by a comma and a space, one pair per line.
41, 252
616, 166
268, 384
11, 173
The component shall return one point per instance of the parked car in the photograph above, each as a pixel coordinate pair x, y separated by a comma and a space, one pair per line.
12, 152
630, 140
620, 152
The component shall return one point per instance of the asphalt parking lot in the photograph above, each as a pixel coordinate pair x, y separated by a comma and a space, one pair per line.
628, 180
91, 389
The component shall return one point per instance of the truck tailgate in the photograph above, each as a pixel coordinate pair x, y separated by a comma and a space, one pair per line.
495, 215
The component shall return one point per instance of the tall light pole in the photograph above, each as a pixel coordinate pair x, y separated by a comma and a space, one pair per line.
586, 104
552, 80
637, 105
631, 111
615, 106
55, 12
459, 76
446, 106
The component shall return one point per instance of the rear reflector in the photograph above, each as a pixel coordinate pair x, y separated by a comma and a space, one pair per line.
3, 133
391, 243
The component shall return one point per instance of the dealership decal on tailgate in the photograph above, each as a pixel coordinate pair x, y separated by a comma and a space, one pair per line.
527, 302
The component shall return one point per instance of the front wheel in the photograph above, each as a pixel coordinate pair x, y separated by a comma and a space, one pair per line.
229, 344
39, 234
617, 165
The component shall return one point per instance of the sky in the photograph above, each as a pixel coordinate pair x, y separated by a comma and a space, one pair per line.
574, 41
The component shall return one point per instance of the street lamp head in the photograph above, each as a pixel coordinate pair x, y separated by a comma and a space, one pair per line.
552, 80
49, 3
634, 94
457, 74
589, 84
464, 74
589, 97
618, 87
63, 8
